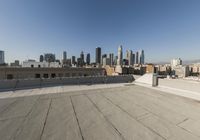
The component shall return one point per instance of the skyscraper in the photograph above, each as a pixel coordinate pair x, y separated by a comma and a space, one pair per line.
64, 55
141, 57
88, 59
133, 57
111, 56
120, 55
115, 60
129, 57
2, 61
98, 55
82, 56
41, 58
73, 60
137, 57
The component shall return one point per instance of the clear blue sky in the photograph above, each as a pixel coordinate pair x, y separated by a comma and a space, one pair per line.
163, 28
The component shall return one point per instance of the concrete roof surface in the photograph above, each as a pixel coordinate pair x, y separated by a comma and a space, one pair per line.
117, 112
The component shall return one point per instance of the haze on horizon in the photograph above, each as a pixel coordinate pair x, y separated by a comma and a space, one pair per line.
164, 29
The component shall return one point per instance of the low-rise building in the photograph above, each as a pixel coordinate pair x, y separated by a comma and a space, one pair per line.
30, 73
181, 71
44, 64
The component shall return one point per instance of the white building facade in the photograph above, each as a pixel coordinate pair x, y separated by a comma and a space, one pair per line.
32, 64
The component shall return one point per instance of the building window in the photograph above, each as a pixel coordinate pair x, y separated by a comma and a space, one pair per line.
9, 76
80, 74
60, 75
73, 74
67, 74
37, 75
53, 75
39, 66
46, 75
32, 66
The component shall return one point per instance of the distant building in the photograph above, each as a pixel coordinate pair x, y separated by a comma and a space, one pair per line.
137, 58
68, 62
15, 64
106, 61
82, 57
2, 58
150, 68
80, 62
125, 62
49, 57
176, 62
129, 57
115, 60
98, 55
103, 56
120, 55
133, 58
73, 60
30, 73
34, 64
88, 59
41, 58
141, 57
111, 56
64, 55
181, 71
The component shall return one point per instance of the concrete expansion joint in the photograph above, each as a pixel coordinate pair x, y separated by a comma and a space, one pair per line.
113, 127
46, 119
134, 118
182, 121
81, 133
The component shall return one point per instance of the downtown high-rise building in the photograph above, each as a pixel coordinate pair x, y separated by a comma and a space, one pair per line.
129, 57
82, 56
111, 56
2, 58
64, 55
115, 60
98, 55
137, 57
133, 57
73, 60
141, 57
88, 59
120, 55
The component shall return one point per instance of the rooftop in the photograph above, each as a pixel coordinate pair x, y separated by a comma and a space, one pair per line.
104, 112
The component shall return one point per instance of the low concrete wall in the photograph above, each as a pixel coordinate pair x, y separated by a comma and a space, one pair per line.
35, 83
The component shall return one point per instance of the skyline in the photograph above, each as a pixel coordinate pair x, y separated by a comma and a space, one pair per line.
64, 55
165, 30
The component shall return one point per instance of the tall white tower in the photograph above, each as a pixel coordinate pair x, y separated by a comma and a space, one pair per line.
120, 56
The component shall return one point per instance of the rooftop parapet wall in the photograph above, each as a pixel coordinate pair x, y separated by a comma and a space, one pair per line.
38, 83
30, 73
